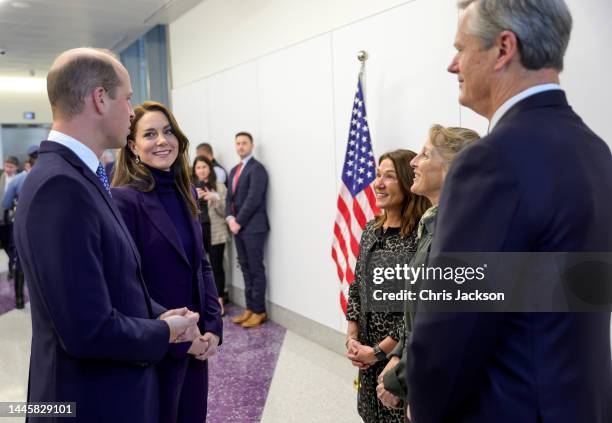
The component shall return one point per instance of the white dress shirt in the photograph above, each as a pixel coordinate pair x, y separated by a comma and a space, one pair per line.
83, 152
9, 179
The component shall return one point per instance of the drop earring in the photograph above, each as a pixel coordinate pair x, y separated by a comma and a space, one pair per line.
137, 159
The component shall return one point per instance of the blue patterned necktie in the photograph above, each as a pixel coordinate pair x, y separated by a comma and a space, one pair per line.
103, 178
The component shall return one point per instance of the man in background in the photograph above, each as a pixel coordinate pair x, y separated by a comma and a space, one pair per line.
9, 203
248, 221
12, 190
539, 182
11, 165
108, 161
206, 150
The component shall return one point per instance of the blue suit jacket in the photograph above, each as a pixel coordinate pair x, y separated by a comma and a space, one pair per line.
248, 203
13, 189
167, 271
539, 182
93, 332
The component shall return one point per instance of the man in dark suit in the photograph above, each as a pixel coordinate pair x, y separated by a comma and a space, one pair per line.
9, 202
206, 150
11, 166
248, 221
95, 336
539, 182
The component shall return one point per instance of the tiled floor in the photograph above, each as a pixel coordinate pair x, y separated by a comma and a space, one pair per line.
264, 374
311, 384
15, 335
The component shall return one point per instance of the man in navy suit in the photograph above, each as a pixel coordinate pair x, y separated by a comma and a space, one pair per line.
248, 221
95, 331
539, 182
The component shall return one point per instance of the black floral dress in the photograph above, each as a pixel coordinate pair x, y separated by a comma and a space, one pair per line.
376, 326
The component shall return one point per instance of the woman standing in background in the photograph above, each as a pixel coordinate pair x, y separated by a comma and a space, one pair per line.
211, 200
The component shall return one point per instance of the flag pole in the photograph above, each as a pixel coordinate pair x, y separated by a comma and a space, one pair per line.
356, 198
362, 56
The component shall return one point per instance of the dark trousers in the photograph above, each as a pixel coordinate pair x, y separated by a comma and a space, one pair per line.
6, 238
250, 256
206, 236
183, 387
216, 262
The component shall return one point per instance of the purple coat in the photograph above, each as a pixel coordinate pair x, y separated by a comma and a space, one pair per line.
171, 279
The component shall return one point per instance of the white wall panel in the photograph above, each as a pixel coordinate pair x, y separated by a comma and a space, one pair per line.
14, 103
586, 78
190, 107
298, 129
407, 86
224, 33
233, 102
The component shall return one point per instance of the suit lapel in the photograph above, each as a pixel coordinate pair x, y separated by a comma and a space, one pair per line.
156, 213
196, 230
77, 163
230, 183
244, 172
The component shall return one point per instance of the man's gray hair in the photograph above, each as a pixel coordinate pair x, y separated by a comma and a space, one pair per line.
542, 28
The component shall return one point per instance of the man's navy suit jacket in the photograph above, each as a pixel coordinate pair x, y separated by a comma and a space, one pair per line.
94, 333
539, 182
248, 203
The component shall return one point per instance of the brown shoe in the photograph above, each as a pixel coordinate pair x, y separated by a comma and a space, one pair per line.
243, 317
255, 320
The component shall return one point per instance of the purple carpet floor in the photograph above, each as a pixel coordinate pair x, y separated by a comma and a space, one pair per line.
241, 373
7, 294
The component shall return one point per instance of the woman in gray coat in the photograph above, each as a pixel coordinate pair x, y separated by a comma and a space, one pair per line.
211, 202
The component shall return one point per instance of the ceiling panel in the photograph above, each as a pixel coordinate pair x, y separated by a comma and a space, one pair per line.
32, 36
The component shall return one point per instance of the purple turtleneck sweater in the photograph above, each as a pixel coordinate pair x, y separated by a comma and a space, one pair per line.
176, 209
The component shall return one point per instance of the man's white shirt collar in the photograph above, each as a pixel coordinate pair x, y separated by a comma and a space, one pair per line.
246, 160
83, 152
536, 89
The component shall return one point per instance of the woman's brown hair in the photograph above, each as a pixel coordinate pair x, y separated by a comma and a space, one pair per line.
413, 205
129, 172
212, 176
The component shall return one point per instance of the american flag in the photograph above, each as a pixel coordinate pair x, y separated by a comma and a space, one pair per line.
356, 200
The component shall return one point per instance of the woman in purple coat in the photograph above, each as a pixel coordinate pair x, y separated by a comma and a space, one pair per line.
153, 192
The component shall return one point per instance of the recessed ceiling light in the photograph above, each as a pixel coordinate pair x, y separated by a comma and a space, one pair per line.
20, 5
20, 84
